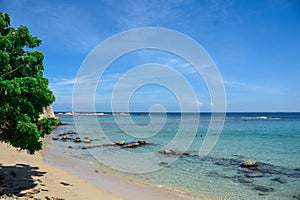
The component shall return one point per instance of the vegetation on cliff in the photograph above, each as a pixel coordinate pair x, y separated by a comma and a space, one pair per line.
24, 91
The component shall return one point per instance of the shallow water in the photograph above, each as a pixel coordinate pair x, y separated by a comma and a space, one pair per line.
272, 139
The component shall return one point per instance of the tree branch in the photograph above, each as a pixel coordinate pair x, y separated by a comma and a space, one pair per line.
14, 70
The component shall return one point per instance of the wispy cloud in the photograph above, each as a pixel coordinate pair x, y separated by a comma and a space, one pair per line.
146, 13
179, 64
66, 82
248, 86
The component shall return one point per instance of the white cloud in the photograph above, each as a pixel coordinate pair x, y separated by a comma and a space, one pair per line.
146, 13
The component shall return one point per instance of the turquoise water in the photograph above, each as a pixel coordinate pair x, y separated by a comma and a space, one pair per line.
272, 139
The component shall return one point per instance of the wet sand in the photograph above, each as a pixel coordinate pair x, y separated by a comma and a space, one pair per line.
47, 175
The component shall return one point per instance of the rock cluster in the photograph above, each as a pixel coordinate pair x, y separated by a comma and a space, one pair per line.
136, 144
64, 138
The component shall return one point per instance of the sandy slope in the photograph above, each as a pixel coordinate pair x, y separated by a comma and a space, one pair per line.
21, 173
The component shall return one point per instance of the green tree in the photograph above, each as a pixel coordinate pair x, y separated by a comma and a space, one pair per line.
24, 91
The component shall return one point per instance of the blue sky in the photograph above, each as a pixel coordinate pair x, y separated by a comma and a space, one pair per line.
255, 45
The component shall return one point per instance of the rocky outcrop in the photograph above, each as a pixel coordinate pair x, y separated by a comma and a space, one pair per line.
249, 164
172, 152
49, 113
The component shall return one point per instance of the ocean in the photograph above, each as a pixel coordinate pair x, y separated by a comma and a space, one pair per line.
170, 158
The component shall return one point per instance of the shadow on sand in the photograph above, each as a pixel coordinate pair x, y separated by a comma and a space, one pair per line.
14, 179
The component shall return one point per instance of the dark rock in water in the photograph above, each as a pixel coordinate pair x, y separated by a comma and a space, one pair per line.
234, 177
245, 170
109, 145
263, 188
270, 169
238, 156
77, 140
142, 142
87, 141
214, 174
163, 163
55, 138
225, 161
254, 174
220, 162
249, 164
62, 134
168, 152
297, 197
132, 145
91, 147
70, 132
135, 144
261, 194
120, 143
245, 180
172, 152
183, 154
13, 174
64, 139
234, 162
280, 179
124, 144
293, 173
70, 147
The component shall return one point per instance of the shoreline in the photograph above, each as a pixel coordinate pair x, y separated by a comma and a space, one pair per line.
46, 175
111, 181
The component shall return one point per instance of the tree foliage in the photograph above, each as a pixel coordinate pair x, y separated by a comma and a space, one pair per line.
24, 91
